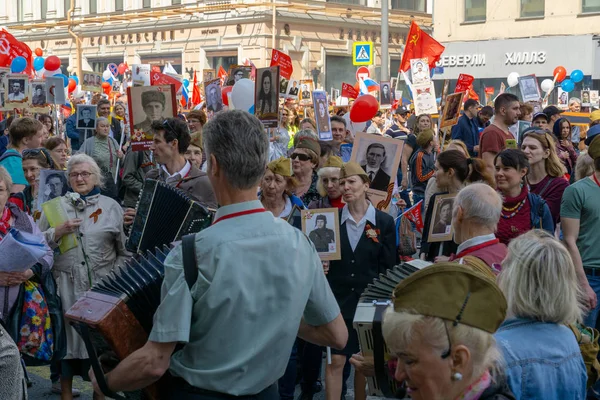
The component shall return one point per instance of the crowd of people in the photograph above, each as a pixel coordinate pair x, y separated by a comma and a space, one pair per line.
502, 312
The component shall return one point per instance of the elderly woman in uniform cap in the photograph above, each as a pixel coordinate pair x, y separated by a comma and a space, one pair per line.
276, 186
305, 160
195, 153
441, 330
153, 103
368, 248
328, 185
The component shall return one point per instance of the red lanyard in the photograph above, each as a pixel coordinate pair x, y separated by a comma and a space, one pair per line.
239, 214
477, 247
182, 179
595, 179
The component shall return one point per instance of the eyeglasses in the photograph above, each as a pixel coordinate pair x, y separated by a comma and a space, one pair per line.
84, 175
302, 157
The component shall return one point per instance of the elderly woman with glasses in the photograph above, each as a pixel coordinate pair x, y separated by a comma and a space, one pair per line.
543, 294
91, 243
546, 172
305, 160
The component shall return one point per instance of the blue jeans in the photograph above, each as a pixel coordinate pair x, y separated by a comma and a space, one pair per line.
590, 319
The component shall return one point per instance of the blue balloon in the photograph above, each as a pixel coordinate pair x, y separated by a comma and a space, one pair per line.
577, 76
18, 65
110, 81
567, 85
186, 82
251, 110
75, 78
64, 78
38, 63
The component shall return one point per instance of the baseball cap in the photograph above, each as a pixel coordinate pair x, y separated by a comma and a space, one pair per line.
542, 115
551, 110
402, 110
591, 134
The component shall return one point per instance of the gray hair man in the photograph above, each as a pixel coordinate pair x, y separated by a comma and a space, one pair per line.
475, 216
232, 315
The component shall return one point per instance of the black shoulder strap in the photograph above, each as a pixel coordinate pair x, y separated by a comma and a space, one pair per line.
545, 187
190, 267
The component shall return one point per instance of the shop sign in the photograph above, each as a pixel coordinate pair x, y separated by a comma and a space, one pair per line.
525, 57
462, 60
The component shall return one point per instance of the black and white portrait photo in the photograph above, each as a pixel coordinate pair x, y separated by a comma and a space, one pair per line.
420, 71
150, 103
3, 73
322, 228
208, 75
53, 184
530, 90
266, 96
237, 72
441, 219
306, 90
38, 94
16, 88
92, 81
385, 94
214, 99
451, 110
585, 98
292, 89
322, 115
86, 116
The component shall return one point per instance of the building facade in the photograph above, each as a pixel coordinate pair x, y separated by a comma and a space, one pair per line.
489, 39
195, 34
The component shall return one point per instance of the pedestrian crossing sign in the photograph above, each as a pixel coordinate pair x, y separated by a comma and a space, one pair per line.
362, 53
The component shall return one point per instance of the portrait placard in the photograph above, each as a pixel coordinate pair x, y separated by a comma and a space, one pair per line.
322, 115
39, 100
379, 157
386, 97
237, 72
140, 74
55, 90
322, 228
440, 229
214, 99
451, 112
3, 91
585, 98
17, 91
306, 89
530, 91
86, 117
266, 96
91, 82
424, 99
563, 99
146, 105
53, 184
208, 75
594, 98
419, 68
293, 89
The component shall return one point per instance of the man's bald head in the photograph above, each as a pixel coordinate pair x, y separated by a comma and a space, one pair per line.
480, 204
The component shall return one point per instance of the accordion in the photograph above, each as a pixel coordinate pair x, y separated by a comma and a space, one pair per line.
367, 321
164, 214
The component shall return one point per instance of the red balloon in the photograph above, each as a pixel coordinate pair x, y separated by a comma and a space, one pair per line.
560, 73
38, 52
72, 85
122, 68
107, 89
105, 85
52, 63
364, 108
224, 91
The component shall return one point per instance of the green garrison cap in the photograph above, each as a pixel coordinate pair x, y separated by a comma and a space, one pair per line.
350, 169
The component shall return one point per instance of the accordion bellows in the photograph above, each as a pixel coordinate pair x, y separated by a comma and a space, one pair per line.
164, 214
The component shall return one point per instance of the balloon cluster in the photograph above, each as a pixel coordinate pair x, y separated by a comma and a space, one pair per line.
560, 75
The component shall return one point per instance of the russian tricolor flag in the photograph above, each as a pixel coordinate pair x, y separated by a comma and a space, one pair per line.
368, 85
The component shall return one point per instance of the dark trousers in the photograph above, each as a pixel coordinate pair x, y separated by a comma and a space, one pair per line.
287, 383
181, 390
311, 357
55, 370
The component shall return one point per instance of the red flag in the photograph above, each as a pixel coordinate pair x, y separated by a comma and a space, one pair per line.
183, 102
196, 99
222, 75
472, 94
155, 68
420, 45
489, 90
348, 91
463, 83
414, 214
284, 61
158, 79
10, 48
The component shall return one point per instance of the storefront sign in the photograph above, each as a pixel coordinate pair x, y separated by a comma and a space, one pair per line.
525, 57
462, 60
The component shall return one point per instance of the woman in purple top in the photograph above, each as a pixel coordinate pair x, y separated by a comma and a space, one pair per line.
546, 173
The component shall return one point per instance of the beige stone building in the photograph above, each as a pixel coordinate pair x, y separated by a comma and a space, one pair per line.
197, 34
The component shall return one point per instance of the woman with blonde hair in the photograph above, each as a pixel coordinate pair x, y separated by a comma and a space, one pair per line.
328, 185
584, 166
276, 188
546, 171
542, 356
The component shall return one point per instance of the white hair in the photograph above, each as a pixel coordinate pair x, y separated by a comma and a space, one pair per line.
480, 204
539, 281
326, 172
81, 158
6, 178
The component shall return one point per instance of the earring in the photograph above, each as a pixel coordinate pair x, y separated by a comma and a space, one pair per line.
457, 376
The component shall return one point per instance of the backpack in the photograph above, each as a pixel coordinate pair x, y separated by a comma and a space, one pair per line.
587, 339
6, 154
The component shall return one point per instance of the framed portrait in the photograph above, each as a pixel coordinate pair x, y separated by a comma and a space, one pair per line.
266, 96
295, 217
562, 101
86, 116
293, 89
237, 72
146, 105
55, 90
283, 85
306, 89
451, 111
17, 91
322, 228
334, 94
521, 127
322, 115
585, 98
214, 99
440, 229
3, 73
208, 75
140, 74
91, 81
530, 91
116, 86
39, 99
419, 68
594, 97
379, 157
386, 97
53, 184
445, 91
424, 99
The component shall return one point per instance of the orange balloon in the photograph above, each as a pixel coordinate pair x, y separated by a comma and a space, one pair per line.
105, 85
560, 73
38, 52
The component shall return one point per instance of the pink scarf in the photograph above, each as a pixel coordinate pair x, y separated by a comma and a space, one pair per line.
475, 391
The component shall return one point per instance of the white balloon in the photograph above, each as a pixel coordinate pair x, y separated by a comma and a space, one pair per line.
354, 127
106, 75
513, 79
51, 73
547, 85
40, 73
242, 94
70, 69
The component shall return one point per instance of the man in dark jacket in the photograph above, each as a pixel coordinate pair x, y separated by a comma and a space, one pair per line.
322, 236
466, 129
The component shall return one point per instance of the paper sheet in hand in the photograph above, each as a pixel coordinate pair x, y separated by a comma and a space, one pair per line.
57, 215
20, 251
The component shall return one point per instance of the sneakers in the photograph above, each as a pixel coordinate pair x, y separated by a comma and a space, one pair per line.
57, 390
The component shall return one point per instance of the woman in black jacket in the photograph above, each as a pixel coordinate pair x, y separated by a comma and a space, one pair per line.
368, 248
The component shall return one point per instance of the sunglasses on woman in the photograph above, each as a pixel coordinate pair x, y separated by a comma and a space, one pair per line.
302, 157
